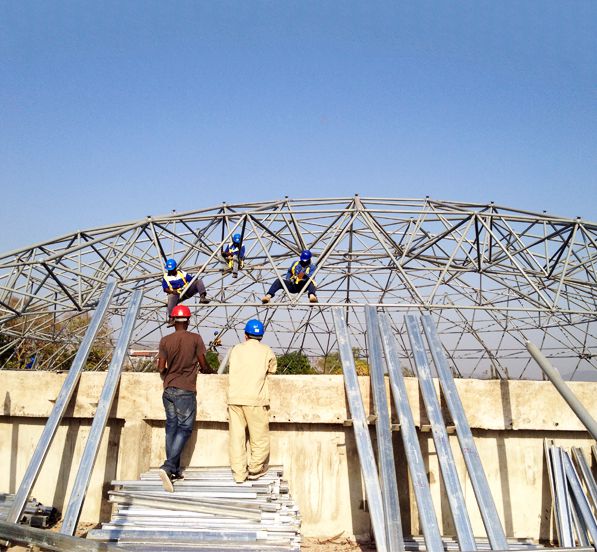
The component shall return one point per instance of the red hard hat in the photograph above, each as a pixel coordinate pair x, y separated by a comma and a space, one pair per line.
180, 311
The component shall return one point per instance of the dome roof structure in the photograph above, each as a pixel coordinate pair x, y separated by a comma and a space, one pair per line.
492, 277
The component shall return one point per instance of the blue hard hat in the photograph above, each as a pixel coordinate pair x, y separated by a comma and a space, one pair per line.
171, 264
306, 255
236, 238
254, 328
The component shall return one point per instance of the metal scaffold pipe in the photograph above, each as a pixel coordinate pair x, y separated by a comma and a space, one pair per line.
583, 415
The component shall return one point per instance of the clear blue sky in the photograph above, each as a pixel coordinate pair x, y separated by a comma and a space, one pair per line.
112, 110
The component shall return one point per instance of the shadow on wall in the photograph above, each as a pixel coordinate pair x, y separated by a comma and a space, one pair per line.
503, 458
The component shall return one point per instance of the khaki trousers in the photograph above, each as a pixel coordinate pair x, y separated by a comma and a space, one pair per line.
256, 419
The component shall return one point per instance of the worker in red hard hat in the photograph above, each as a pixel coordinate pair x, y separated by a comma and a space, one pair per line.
179, 355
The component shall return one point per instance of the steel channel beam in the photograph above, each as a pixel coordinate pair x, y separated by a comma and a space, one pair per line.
361, 430
583, 415
50, 540
587, 476
385, 450
561, 499
73, 510
552, 486
152, 535
491, 519
464, 529
412, 449
581, 502
64, 396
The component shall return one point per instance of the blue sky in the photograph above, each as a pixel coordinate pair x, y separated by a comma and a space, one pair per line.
110, 111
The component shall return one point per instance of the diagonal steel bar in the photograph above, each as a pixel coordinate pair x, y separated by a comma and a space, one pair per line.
73, 510
491, 520
60, 405
385, 451
584, 510
585, 471
361, 430
447, 465
412, 449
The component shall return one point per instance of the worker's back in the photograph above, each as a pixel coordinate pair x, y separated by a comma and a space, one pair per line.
250, 362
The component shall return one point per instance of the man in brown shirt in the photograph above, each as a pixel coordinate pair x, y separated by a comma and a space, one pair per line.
180, 352
248, 403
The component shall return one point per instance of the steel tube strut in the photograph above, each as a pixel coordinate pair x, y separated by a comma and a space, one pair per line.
583, 415
361, 431
491, 519
64, 396
412, 449
385, 451
73, 510
447, 465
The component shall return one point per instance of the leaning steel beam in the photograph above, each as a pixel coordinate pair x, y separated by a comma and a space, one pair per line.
583, 415
412, 449
464, 529
581, 502
66, 392
361, 431
491, 520
73, 510
585, 471
49, 540
385, 451
561, 499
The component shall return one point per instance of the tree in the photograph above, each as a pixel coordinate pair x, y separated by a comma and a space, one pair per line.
213, 360
295, 362
331, 363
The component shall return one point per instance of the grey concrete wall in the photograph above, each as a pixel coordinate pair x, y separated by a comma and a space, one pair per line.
509, 421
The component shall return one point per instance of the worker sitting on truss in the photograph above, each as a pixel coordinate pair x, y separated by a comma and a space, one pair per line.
234, 249
179, 286
299, 274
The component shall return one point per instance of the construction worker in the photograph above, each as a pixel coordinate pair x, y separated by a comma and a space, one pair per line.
230, 250
248, 403
173, 283
299, 273
179, 354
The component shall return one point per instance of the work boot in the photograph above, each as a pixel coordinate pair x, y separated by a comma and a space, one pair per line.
176, 476
261, 473
266, 299
166, 478
203, 298
312, 298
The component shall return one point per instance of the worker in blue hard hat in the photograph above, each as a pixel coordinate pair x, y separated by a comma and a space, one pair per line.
248, 403
175, 283
299, 274
234, 249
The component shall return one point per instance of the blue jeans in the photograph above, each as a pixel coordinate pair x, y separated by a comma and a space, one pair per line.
181, 409
292, 287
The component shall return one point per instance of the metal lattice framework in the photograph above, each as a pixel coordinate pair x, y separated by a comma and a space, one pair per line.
491, 276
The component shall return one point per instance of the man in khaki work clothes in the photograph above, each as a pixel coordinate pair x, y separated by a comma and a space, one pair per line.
180, 352
248, 403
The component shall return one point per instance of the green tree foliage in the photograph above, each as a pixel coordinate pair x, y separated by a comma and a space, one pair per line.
213, 360
331, 364
294, 363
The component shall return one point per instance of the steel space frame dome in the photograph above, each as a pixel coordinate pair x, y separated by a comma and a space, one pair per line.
491, 276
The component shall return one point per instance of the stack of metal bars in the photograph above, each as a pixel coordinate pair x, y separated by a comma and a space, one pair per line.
207, 511
574, 496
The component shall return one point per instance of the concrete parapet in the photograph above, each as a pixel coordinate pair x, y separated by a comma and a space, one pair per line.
310, 439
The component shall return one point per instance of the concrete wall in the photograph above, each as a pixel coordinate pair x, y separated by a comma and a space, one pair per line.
318, 452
